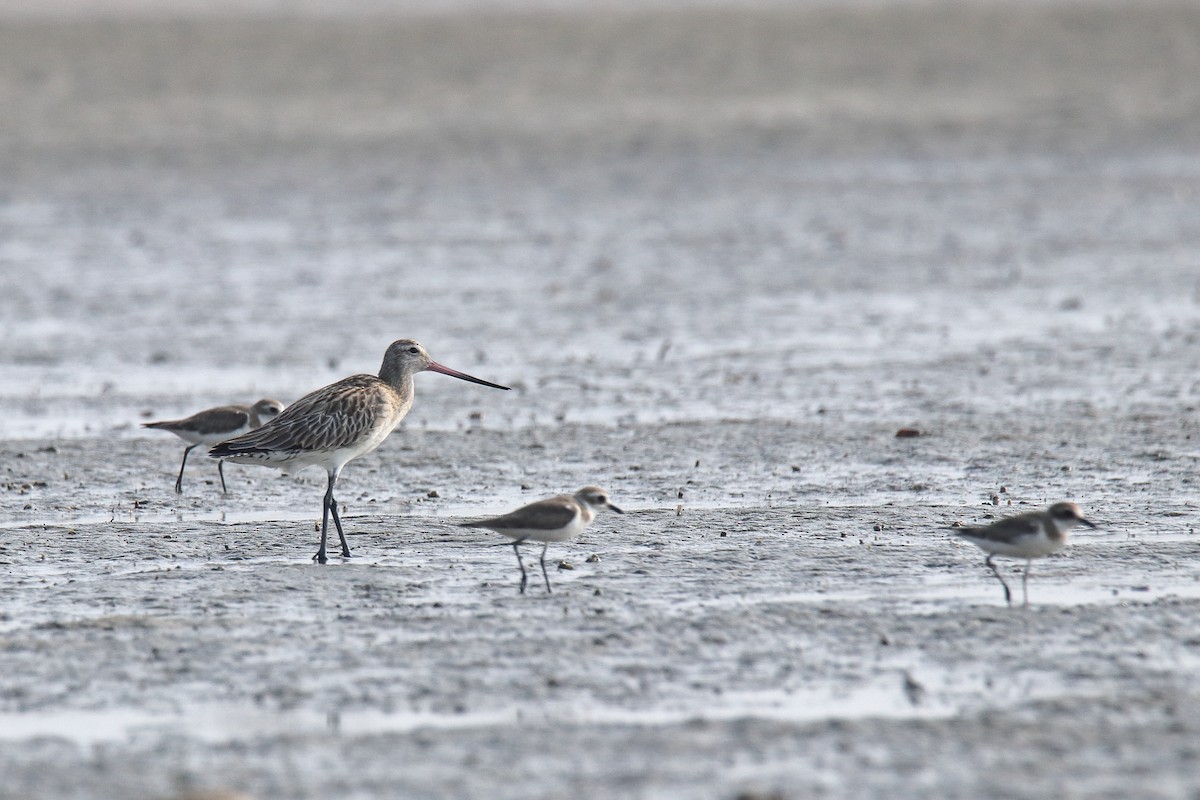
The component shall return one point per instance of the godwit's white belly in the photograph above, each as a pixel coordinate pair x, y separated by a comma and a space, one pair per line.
290, 463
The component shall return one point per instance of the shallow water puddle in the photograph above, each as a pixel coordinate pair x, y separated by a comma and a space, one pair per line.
934, 592
924, 692
228, 723
164, 517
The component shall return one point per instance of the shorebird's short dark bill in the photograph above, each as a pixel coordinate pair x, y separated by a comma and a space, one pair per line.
555, 519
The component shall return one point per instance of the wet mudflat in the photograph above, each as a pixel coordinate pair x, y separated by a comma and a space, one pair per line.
722, 255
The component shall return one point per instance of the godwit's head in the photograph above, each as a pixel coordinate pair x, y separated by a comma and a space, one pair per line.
406, 357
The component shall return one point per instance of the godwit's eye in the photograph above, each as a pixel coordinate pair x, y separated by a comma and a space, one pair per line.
413, 350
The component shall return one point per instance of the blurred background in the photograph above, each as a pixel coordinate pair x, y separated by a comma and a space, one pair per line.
631, 212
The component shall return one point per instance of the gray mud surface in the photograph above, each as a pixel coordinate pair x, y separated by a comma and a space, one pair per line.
722, 254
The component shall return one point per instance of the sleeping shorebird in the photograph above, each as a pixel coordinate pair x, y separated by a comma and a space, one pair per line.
338, 423
1028, 536
555, 519
214, 425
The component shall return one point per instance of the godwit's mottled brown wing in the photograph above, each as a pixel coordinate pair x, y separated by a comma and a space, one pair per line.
544, 515
333, 417
1005, 530
207, 422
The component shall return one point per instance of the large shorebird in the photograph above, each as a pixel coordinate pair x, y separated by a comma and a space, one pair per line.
555, 519
214, 425
1028, 536
338, 423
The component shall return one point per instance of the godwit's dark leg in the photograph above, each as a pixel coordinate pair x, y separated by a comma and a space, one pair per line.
520, 563
221, 472
336, 519
542, 560
179, 480
320, 557
996, 572
1025, 580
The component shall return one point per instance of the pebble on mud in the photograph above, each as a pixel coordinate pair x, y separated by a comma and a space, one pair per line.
907, 433
914, 690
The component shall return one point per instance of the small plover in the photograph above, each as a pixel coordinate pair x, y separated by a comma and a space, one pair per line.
555, 519
1033, 535
339, 422
215, 425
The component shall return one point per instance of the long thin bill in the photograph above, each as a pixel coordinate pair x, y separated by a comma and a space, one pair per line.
462, 376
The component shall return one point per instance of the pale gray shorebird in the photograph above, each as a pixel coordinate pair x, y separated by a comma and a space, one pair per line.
555, 519
1033, 535
338, 423
214, 425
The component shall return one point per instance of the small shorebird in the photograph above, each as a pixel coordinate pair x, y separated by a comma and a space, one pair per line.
214, 425
1028, 536
338, 423
555, 519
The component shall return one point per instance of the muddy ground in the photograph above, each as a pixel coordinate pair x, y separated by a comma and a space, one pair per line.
722, 253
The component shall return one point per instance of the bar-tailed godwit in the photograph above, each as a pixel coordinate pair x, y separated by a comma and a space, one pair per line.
338, 423
1033, 535
214, 425
555, 519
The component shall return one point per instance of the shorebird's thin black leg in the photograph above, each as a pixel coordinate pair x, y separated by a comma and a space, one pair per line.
521, 564
179, 480
996, 572
542, 560
221, 472
1025, 580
